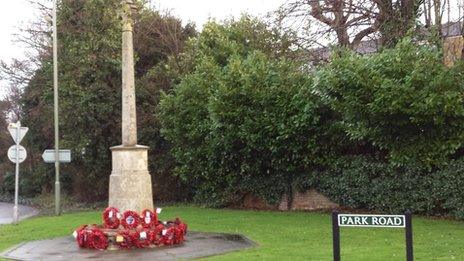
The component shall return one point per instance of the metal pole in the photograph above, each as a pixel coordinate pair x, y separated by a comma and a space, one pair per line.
55, 109
15, 208
335, 236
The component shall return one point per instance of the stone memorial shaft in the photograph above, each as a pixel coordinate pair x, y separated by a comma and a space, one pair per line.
130, 181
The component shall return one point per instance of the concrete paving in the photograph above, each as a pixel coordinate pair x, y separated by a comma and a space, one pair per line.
197, 245
6, 212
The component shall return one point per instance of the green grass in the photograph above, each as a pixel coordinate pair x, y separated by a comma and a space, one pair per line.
280, 235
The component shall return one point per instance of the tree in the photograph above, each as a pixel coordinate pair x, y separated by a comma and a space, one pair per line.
349, 22
5, 140
90, 79
244, 119
395, 18
402, 100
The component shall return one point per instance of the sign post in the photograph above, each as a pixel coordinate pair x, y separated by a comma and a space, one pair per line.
367, 220
408, 234
64, 156
17, 154
335, 236
55, 110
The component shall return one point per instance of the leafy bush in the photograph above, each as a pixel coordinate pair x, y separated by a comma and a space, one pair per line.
366, 183
402, 100
243, 120
240, 128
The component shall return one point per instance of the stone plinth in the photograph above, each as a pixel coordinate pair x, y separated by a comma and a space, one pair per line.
197, 245
130, 181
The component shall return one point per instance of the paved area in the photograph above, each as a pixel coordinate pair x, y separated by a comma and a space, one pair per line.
6, 212
198, 244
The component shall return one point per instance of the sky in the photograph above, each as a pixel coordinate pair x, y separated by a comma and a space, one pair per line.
16, 13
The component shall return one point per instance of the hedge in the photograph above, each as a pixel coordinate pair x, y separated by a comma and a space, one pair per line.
366, 183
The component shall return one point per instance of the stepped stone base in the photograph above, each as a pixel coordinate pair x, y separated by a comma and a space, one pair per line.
130, 181
197, 245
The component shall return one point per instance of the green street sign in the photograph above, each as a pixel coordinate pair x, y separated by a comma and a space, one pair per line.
354, 220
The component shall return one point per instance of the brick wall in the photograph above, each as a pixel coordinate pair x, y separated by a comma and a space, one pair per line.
253, 202
308, 200
311, 200
453, 48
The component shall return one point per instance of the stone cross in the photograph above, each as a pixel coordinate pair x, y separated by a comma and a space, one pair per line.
129, 117
130, 181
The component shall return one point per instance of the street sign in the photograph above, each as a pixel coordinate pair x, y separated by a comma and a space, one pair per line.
22, 154
354, 220
368, 220
49, 156
17, 133
17, 154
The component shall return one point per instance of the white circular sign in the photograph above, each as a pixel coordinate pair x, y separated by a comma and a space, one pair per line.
22, 154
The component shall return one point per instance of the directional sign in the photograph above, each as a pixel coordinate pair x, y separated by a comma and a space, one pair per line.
22, 154
16, 134
368, 220
64, 156
353, 220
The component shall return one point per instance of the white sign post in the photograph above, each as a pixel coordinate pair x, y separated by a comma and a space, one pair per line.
49, 156
17, 154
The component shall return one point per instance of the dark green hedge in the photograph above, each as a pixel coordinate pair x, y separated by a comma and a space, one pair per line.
378, 132
366, 183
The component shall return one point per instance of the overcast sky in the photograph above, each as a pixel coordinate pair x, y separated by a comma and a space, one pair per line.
15, 13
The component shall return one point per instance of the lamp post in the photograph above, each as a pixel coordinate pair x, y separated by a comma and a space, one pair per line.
55, 110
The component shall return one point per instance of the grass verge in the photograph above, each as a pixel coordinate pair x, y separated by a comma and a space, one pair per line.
280, 235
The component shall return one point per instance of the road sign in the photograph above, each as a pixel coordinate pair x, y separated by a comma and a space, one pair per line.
49, 156
17, 154
353, 220
367, 220
22, 154
17, 133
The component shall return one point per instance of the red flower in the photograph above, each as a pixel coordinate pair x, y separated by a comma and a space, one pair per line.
110, 218
141, 238
149, 218
126, 239
81, 236
130, 219
97, 240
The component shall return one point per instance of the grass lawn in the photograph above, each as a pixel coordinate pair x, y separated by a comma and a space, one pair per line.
280, 235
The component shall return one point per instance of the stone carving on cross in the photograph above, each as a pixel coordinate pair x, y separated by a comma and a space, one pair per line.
129, 8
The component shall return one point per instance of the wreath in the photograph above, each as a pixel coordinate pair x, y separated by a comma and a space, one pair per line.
130, 230
168, 236
142, 238
182, 226
124, 239
130, 219
149, 218
111, 218
80, 235
97, 240
156, 237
